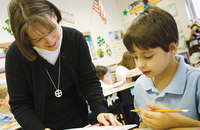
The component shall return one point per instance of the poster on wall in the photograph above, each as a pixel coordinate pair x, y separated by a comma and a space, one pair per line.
67, 17
92, 49
139, 5
2, 60
3, 51
178, 22
171, 8
90, 43
114, 36
182, 43
118, 49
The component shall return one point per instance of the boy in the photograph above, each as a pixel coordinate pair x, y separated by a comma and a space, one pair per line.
5, 114
167, 81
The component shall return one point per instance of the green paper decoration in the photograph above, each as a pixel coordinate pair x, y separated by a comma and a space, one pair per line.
101, 41
125, 12
9, 27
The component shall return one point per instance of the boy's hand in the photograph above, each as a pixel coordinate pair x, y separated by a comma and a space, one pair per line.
157, 120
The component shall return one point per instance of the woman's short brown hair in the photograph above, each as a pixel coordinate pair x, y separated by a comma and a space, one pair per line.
101, 71
128, 60
154, 27
28, 13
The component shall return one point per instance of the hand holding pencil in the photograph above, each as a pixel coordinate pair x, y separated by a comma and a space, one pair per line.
160, 117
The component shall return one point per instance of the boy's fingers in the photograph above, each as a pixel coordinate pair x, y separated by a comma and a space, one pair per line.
154, 106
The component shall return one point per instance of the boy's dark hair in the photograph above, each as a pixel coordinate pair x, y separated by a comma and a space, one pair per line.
154, 27
101, 71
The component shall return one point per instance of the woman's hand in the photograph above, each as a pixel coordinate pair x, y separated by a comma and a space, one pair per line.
108, 119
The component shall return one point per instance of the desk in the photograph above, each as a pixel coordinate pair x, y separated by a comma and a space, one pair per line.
119, 88
119, 106
12, 126
135, 74
189, 128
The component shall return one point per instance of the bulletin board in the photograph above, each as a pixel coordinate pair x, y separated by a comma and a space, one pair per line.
3, 50
90, 43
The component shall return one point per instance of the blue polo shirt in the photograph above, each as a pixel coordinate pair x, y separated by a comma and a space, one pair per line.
182, 93
5, 119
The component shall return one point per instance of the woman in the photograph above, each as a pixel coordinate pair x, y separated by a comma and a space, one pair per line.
49, 71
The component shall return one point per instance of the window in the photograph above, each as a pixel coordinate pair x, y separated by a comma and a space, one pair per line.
193, 10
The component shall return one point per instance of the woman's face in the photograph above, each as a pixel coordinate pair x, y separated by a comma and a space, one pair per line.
50, 40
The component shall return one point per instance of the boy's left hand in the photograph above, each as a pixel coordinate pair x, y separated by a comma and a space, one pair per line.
108, 119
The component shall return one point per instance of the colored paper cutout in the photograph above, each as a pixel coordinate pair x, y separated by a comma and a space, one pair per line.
114, 97
125, 12
140, 5
100, 53
9, 27
108, 50
109, 100
101, 41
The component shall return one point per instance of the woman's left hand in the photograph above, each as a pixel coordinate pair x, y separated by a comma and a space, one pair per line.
108, 119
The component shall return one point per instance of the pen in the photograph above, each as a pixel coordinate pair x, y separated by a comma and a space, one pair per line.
164, 110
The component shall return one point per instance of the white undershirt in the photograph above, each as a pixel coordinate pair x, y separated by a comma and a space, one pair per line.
50, 56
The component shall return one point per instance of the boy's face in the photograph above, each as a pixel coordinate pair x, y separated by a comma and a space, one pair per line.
152, 62
5, 102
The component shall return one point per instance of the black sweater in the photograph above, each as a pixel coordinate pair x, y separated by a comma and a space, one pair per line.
27, 81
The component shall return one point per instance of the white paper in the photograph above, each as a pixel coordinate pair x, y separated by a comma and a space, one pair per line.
124, 127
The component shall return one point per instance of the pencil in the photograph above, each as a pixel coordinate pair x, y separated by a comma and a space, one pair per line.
164, 110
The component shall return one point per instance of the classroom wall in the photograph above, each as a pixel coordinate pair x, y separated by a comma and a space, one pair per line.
4, 35
87, 20
181, 16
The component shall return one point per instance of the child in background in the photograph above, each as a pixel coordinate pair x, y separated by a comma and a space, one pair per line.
167, 81
5, 114
103, 74
126, 68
